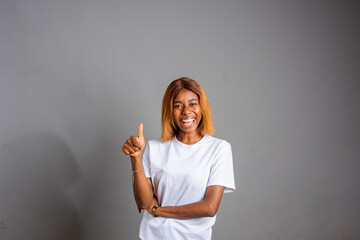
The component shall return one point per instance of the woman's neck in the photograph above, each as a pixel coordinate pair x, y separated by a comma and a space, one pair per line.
189, 138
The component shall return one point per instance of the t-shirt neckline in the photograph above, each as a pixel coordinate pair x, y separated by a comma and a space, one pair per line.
190, 146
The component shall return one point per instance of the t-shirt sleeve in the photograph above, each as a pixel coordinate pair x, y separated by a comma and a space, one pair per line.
146, 160
222, 172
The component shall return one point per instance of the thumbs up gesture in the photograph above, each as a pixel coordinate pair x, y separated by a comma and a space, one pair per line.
135, 144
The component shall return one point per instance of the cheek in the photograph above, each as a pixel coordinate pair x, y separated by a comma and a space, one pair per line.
176, 116
198, 112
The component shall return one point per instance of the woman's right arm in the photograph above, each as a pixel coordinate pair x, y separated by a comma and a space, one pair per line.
142, 186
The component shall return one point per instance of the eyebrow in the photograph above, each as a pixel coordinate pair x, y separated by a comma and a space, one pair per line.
188, 101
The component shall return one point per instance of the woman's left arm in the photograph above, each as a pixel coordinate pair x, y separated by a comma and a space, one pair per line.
205, 208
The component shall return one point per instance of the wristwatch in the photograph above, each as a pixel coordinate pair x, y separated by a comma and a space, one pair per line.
153, 210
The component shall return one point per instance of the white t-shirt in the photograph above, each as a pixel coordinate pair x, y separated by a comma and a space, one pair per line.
180, 174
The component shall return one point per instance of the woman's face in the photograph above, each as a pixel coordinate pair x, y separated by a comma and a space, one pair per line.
187, 112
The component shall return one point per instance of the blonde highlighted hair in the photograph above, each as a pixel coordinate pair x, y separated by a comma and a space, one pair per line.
169, 128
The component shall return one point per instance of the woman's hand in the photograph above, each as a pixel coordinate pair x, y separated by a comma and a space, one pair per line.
153, 203
135, 144
205, 208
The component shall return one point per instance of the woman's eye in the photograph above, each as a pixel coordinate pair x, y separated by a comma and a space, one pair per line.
177, 106
192, 104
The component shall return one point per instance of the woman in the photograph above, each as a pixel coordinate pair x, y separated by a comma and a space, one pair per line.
180, 179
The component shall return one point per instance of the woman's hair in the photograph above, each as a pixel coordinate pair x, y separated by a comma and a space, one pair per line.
169, 128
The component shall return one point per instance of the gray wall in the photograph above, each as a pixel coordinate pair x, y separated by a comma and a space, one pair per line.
76, 78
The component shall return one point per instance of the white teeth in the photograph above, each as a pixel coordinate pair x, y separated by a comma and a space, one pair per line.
188, 120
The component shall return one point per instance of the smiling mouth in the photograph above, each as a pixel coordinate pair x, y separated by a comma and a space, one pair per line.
188, 122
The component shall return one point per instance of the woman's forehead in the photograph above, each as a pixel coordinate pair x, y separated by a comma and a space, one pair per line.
185, 94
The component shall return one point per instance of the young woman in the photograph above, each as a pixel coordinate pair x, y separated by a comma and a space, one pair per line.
179, 180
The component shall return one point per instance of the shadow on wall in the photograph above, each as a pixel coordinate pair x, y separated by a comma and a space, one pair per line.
35, 171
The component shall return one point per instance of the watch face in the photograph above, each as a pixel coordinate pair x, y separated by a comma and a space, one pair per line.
153, 210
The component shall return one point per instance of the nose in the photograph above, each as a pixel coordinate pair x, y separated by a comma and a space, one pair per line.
186, 110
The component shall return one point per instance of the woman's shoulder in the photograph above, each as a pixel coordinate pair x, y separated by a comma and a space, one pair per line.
157, 143
219, 145
216, 140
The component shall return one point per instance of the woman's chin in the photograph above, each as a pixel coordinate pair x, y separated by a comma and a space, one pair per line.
188, 129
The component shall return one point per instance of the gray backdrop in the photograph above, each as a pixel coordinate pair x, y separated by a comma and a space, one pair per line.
77, 77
